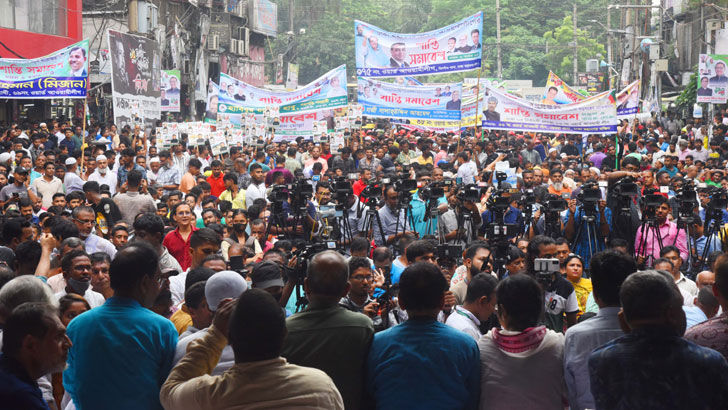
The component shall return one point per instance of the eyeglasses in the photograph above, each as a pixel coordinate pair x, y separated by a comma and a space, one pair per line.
82, 222
362, 278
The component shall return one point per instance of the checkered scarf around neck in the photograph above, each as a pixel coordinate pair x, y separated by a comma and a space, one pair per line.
525, 341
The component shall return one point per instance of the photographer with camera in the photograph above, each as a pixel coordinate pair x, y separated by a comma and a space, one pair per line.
587, 225
394, 223
461, 222
657, 231
559, 295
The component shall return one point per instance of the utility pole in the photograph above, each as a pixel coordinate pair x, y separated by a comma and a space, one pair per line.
290, 16
609, 49
576, 50
498, 38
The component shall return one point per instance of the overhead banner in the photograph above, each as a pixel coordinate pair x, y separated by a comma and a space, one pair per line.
558, 92
594, 115
63, 74
712, 79
389, 100
135, 79
170, 94
628, 101
380, 53
326, 92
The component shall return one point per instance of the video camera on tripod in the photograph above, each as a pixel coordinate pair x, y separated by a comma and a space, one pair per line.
589, 196
545, 268
652, 200
341, 189
624, 190
687, 200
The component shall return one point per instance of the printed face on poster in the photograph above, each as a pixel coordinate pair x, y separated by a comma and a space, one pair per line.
170, 94
380, 53
712, 79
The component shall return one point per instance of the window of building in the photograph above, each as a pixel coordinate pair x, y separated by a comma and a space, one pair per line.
37, 16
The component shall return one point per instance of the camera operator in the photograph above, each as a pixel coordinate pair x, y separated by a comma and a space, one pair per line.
622, 193
419, 205
394, 222
458, 207
559, 295
588, 243
512, 216
647, 244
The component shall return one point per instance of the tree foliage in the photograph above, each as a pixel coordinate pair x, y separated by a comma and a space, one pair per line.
561, 54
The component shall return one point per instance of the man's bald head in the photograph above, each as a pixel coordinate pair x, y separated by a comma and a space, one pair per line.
327, 276
705, 278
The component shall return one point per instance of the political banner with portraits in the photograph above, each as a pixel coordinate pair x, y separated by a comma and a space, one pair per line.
558, 92
380, 53
326, 92
62, 74
211, 109
170, 94
594, 115
135, 79
628, 101
387, 100
471, 103
712, 79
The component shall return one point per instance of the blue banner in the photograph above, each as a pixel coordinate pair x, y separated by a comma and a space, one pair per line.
63, 74
457, 47
380, 99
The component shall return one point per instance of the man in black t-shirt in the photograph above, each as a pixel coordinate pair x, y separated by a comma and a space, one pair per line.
570, 149
105, 210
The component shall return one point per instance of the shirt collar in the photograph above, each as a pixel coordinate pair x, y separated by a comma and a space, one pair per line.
461, 310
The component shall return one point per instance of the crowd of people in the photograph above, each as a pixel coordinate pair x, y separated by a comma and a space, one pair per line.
407, 269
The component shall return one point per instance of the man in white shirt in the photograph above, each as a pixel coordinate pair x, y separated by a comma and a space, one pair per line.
467, 170
47, 185
608, 270
479, 305
256, 189
76, 267
103, 175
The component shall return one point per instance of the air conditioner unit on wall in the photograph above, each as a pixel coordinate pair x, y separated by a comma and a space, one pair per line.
712, 24
213, 43
233, 46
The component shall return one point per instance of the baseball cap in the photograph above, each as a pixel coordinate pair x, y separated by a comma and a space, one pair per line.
266, 274
224, 285
21, 170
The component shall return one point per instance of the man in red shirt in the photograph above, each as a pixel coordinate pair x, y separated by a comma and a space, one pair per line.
365, 175
325, 150
215, 180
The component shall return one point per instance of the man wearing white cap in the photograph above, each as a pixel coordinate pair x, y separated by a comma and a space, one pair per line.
71, 180
222, 285
102, 175
154, 165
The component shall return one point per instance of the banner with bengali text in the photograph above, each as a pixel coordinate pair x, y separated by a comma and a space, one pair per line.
380, 99
594, 115
326, 92
62, 74
457, 47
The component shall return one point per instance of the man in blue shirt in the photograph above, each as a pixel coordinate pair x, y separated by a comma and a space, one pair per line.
122, 351
422, 362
